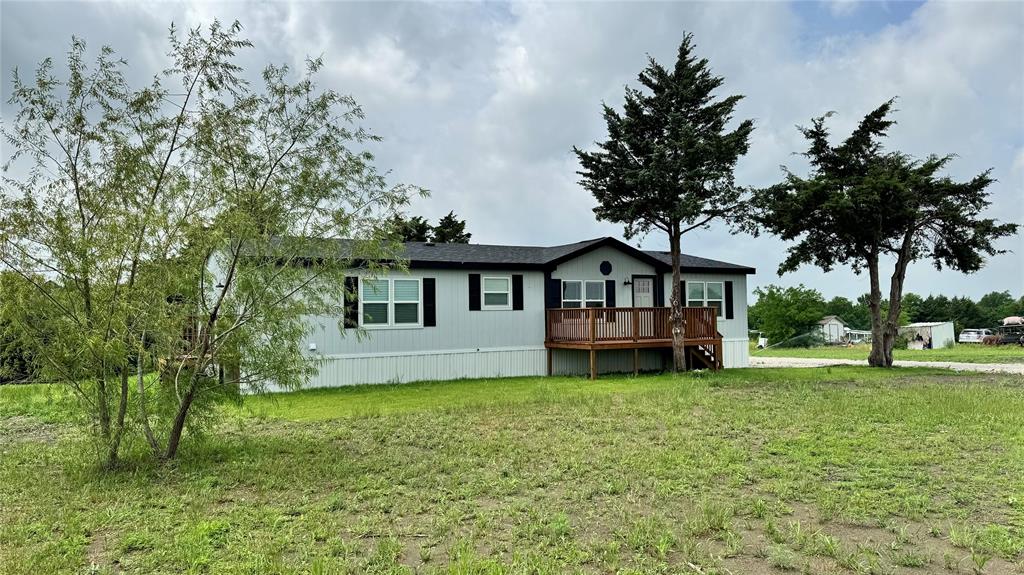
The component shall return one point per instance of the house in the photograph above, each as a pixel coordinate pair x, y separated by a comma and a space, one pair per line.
470, 310
929, 334
833, 329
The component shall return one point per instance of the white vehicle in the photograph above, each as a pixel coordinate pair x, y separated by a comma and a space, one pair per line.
974, 335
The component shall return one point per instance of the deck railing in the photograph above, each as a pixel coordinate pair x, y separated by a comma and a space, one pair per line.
604, 324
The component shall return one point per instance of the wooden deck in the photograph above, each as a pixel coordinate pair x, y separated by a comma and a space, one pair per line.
603, 328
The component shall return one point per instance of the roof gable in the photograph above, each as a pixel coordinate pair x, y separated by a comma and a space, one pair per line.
591, 245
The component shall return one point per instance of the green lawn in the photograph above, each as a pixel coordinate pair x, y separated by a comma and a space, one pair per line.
837, 470
968, 353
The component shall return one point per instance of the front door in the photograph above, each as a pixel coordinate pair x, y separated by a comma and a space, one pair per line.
643, 292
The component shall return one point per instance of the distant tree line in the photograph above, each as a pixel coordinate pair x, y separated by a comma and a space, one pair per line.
786, 313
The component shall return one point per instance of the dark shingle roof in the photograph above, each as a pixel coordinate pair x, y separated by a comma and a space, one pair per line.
695, 263
483, 256
427, 255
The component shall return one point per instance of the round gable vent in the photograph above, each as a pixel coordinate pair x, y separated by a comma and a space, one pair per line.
606, 267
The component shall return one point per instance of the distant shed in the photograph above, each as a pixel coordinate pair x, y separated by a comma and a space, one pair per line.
833, 329
929, 334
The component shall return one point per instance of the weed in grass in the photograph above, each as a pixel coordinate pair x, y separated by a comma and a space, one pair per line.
962, 536
978, 560
712, 518
783, 558
824, 545
733, 543
909, 558
759, 508
773, 533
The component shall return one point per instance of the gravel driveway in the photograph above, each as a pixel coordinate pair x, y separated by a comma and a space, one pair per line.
1017, 368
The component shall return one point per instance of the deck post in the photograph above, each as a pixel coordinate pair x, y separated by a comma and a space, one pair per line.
593, 324
636, 361
549, 360
593, 363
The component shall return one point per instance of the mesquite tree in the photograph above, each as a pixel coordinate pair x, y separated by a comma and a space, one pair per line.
668, 161
181, 227
861, 205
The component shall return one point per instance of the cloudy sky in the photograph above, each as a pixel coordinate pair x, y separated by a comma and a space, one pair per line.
482, 102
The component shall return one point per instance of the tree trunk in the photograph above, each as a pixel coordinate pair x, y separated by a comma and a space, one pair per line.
877, 357
676, 301
899, 275
884, 331
174, 439
143, 414
122, 410
102, 407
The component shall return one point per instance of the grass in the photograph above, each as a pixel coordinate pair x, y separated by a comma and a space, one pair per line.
837, 470
967, 353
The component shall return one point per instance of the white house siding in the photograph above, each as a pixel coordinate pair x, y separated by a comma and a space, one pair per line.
587, 267
358, 369
486, 343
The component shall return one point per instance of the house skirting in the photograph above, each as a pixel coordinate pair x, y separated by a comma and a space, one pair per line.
405, 367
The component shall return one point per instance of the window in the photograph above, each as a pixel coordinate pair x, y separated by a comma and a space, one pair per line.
706, 294
572, 294
390, 302
497, 293
595, 293
577, 293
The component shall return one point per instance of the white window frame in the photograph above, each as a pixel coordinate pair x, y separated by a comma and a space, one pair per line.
704, 296
484, 291
579, 301
587, 300
391, 304
583, 293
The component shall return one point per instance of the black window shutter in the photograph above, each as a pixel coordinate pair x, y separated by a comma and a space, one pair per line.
609, 293
682, 294
552, 293
351, 301
659, 290
517, 291
429, 302
728, 300
474, 292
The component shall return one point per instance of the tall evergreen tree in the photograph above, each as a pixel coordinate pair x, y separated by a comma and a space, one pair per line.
861, 205
451, 230
414, 229
668, 161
